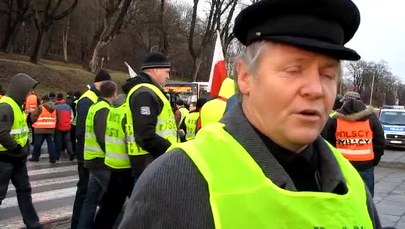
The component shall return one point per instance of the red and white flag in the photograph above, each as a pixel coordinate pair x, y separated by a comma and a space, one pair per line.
218, 69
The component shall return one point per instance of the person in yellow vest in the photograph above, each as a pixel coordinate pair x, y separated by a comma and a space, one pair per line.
83, 104
189, 125
44, 122
357, 134
94, 153
117, 160
14, 147
180, 113
214, 110
265, 164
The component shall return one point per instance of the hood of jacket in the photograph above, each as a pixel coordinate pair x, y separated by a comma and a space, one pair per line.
20, 85
227, 88
354, 110
49, 105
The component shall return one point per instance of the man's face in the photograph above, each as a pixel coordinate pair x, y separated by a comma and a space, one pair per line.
161, 75
290, 97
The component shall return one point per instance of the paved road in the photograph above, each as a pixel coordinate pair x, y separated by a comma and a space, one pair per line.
53, 192
54, 187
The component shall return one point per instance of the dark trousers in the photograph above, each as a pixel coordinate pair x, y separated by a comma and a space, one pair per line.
119, 188
39, 140
63, 138
80, 193
17, 173
368, 178
73, 138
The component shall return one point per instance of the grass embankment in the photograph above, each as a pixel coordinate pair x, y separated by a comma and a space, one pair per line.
52, 76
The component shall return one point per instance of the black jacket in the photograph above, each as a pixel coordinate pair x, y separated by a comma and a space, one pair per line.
19, 87
357, 111
82, 109
145, 107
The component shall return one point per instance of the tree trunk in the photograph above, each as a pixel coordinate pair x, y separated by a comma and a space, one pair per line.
196, 67
8, 42
65, 41
36, 53
95, 59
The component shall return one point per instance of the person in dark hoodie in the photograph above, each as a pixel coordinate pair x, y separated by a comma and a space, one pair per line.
357, 134
14, 147
44, 122
82, 107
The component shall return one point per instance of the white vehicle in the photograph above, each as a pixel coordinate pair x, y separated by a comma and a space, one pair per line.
392, 119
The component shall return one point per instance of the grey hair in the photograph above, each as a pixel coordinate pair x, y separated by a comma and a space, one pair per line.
251, 55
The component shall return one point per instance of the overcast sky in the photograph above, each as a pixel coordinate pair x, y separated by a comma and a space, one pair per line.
381, 35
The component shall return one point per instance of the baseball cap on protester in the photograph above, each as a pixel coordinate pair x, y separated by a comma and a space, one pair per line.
350, 95
102, 75
322, 26
156, 60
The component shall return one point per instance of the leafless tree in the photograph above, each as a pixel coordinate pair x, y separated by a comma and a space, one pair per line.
17, 12
219, 16
45, 15
113, 18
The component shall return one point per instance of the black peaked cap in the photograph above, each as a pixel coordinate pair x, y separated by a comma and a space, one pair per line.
322, 26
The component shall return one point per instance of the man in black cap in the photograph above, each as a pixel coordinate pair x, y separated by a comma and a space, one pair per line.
82, 107
150, 128
265, 165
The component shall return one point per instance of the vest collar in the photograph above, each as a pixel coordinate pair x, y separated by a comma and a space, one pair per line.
238, 126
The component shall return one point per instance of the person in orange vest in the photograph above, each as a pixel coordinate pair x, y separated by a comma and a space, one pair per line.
358, 135
44, 123
31, 102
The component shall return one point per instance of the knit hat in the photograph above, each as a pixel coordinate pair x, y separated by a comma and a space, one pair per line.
156, 60
350, 95
102, 75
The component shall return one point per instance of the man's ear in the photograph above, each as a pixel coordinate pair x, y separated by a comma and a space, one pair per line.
243, 77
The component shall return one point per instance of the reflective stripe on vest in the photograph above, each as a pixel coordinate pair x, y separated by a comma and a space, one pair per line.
88, 94
115, 145
355, 140
191, 125
31, 102
92, 149
19, 129
46, 119
165, 126
241, 196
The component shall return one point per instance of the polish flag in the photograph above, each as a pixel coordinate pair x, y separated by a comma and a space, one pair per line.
218, 69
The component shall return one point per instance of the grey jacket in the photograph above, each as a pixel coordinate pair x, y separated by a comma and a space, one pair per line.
18, 89
172, 193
